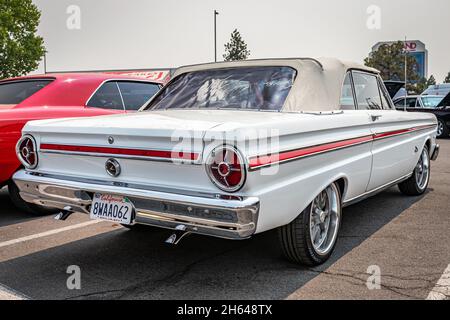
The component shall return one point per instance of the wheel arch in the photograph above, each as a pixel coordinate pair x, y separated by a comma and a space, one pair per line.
341, 180
428, 144
342, 185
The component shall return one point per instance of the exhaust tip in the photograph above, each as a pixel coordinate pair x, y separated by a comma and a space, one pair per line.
178, 235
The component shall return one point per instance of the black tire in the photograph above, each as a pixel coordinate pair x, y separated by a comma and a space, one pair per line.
444, 129
24, 206
295, 238
411, 186
130, 227
140, 227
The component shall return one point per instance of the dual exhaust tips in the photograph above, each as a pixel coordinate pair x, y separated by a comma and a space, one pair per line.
175, 238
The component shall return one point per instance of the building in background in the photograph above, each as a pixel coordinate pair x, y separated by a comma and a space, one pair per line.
417, 49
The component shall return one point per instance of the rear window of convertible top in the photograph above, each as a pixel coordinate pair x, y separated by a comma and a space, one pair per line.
253, 88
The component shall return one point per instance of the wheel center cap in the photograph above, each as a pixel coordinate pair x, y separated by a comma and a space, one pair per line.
322, 216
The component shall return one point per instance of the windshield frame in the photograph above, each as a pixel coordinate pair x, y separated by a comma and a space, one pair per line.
148, 105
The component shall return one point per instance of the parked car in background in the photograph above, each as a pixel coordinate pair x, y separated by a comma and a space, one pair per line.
61, 96
396, 89
236, 148
442, 89
437, 105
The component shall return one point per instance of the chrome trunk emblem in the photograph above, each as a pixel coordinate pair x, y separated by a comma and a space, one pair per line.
110, 140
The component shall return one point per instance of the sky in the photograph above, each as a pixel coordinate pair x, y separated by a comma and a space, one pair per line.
134, 34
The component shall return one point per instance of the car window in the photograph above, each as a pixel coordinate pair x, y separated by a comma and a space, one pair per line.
400, 103
431, 102
136, 94
257, 88
107, 97
367, 91
347, 97
411, 102
17, 91
385, 97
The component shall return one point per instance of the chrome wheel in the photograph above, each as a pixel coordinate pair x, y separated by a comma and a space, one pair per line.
325, 216
422, 171
440, 129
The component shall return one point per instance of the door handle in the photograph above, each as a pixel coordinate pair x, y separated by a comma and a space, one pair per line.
376, 117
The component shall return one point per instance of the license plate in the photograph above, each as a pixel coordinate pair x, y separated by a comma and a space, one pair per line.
112, 208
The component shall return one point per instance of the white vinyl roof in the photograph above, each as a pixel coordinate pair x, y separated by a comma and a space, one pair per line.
317, 86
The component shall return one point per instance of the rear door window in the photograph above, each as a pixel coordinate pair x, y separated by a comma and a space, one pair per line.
411, 102
15, 92
136, 94
400, 103
107, 97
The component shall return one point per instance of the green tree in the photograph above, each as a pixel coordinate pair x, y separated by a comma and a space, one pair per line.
236, 48
419, 86
390, 60
431, 81
447, 78
21, 48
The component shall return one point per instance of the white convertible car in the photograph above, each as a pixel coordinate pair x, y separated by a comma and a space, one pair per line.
235, 149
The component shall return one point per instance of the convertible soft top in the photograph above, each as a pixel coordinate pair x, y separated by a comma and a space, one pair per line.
317, 86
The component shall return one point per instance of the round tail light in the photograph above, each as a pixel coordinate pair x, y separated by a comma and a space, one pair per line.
226, 168
27, 152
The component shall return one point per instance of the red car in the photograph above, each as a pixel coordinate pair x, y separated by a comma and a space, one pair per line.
61, 96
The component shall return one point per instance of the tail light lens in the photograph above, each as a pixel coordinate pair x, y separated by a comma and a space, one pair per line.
226, 168
27, 152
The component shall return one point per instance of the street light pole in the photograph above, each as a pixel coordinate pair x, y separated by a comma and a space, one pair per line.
216, 13
45, 62
406, 71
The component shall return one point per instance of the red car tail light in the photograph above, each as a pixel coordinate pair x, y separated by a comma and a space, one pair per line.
226, 168
27, 152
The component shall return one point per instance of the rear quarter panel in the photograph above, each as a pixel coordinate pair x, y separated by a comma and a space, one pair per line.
285, 190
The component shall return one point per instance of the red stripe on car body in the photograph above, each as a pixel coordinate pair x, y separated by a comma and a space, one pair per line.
121, 151
267, 160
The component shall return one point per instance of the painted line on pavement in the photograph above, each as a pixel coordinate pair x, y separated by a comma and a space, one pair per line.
442, 289
48, 233
7, 293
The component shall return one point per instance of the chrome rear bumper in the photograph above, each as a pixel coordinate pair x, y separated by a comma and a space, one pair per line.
210, 214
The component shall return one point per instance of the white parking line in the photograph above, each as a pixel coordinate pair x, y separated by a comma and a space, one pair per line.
9, 294
48, 233
442, 289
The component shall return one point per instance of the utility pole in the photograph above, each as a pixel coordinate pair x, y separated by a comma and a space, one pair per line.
45, 62
216, 13
406, 71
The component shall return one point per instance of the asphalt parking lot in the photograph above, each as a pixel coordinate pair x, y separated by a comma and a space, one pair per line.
406, 239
